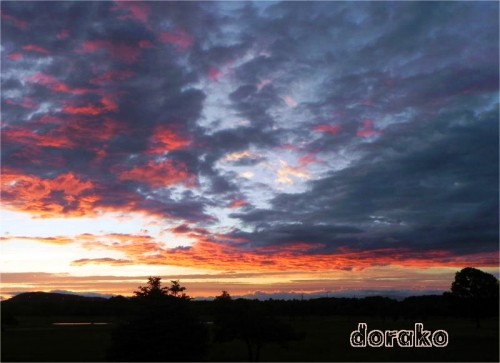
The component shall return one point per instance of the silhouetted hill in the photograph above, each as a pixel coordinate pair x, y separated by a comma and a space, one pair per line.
29, 297
46, 303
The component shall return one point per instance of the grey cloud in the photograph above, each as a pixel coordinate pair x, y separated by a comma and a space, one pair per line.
426, 74
439, 183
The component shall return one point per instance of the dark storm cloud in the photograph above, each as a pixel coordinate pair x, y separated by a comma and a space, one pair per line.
406, 92
269, 234
436, 187
431, 182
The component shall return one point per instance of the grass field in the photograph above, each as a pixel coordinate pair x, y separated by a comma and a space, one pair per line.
325, 339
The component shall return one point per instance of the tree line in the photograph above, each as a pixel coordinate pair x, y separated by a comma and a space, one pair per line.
160, 323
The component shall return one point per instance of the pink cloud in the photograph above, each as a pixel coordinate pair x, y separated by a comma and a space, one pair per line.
20, 24
111, 76
108, 104
55, 85
35, 48
368, 102
145, 44
48, 81
307, 160
289, 147
328, 129
134, 10
179, 38
63, 34
263, 84
15, 56
214, 74
367, 130
124, 52
26, 102
290, 102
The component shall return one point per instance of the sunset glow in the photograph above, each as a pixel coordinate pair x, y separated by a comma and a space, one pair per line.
353, 151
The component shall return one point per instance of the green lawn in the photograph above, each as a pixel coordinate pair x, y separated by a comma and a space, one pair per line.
326, 339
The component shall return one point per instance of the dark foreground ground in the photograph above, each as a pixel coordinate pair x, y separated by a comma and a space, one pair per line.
326, 338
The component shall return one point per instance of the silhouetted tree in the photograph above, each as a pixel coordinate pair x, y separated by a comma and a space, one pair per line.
224, 296
152, 290
176, 290
163, 329
478, 292
471, 283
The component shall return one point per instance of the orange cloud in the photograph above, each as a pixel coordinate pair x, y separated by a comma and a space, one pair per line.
166, 139
218, 252
21, 136
58, 240
88, 133
104, 261
285, 172
36, 195
236, 156
238, 203
160, 174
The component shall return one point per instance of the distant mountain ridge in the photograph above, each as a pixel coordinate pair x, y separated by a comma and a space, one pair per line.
53, 303
40, 296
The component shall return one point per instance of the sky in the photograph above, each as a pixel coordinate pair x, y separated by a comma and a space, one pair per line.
263, 148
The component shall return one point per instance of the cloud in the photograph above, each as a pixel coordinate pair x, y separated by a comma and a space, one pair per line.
159, 174
59, 240
48, 197
103, 260
381, 122
132, 10
35, 48
328, 129
127, 53
179, 38
165, 139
